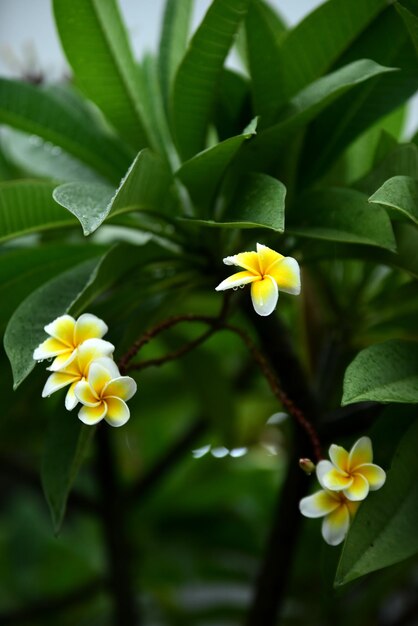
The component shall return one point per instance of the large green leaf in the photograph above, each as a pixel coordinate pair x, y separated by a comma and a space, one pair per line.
306, 105
26, 206
144, 188
65, 447
384, 530
385, 372
344, 215
408, 10
259, 203
356, 112
97, 47
314, 45
173, 41
203, 173
39, 158
399, 193
199, 72
34, 266
232, 105
265, 60
48, 114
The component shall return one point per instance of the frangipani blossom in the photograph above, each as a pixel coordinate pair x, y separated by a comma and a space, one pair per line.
268, 272
335, 508
103, 394
77, 370
66, 334
352, 473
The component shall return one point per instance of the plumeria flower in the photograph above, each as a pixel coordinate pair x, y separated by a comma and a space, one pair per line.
336, 509
104, 393
66, 334
268, 272
352, 473
77, 370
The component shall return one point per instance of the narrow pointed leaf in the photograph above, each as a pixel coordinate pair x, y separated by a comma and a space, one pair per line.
385, 372
399, 193
173, 41
199, 72
97, 47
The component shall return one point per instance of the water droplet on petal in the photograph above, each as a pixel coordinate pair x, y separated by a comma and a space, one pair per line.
241, 286
235, 288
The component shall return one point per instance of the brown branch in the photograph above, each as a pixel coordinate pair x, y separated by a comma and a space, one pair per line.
282, 397
171, 356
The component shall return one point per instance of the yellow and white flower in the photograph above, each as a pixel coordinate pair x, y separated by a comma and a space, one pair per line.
104, 393
77, 369
268, 272
66, 334
352, 473
337, 511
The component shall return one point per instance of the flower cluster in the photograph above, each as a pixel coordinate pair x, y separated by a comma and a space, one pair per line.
268, 272
345, 480
83, 362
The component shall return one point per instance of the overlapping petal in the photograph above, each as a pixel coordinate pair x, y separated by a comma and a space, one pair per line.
358, 489
71, 399
62, 328
319, 504
339, 457
264, 295
374, 475
237, 280
85, 394
123, 387
336, 481
335, 525
286, 273
248, 260
92, 350
117, 411
57, 381
91, 415
267, 258
48, 349
89, 326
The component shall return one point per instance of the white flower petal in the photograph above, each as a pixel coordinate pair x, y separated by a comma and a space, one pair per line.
237, 280
62, 328
123, 387
322, 468
117, 412
264, 295
319, 504
335, 526
89, 326
56, 381
49, 348
361, 453
91, 415
71, 400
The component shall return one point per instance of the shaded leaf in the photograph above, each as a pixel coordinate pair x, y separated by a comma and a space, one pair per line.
385, 372
203, 173
384, 529
26, 206
66, 444
401, 194
344, 215
402, 160
199, 72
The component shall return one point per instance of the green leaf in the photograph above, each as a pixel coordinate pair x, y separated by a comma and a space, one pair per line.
265, 60
384, 529
232, 105
38, 158
314, 45
402, 160
144, 188
198, 75
385, 372
401, 194
97, 47
66, 444
26, 206
34, 266
259, 203
344, 215
409, 18
306, 105
203, 173
356, 112
47, 114
173, 41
